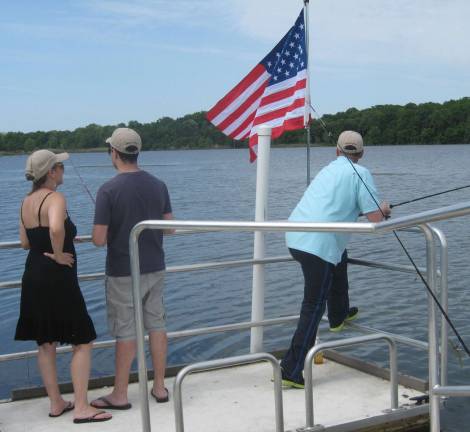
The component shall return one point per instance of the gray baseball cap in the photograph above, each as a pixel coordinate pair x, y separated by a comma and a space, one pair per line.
125, 140
40, 162
350, 142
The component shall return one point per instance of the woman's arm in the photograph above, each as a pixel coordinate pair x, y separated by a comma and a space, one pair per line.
56, 215
23, 237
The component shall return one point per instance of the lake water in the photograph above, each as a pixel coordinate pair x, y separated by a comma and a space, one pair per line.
220, 185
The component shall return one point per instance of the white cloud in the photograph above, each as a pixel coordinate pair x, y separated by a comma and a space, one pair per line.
345, 32
181, 12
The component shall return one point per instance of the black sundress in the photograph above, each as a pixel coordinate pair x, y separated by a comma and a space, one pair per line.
52, 307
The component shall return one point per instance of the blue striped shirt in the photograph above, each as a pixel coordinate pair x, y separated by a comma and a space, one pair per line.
335, 195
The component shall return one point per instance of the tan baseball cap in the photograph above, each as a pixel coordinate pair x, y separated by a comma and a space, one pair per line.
350, 142
125, 140
40, 162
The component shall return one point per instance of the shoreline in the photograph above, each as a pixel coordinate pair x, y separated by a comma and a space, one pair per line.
297, 145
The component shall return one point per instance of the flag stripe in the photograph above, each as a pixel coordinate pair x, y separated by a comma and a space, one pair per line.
274, 88
245, 133
293, 115
243, 129
238, 116
238, 95
278, 114
300, 94
285, 93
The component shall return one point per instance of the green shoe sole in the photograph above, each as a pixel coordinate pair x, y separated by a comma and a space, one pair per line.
337, 328
347, 319
352, 317
293, 384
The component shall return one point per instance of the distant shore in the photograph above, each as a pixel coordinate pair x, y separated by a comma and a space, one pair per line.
283, 145
105, 149
426, 123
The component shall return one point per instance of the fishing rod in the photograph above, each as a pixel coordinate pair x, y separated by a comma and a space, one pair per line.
82, 181
443, 312
428, 196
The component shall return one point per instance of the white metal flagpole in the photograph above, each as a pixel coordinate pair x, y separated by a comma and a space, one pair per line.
307, 96
262, 182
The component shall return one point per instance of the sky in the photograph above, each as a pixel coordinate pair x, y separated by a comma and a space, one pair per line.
68, 63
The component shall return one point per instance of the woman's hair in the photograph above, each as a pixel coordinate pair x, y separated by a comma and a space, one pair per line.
36, 184
40, 181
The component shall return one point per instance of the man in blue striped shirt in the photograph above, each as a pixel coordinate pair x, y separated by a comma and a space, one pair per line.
340, 192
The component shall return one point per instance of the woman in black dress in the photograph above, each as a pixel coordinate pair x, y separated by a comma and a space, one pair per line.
52, 306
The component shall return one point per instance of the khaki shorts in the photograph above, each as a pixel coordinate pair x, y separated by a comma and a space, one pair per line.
120, 306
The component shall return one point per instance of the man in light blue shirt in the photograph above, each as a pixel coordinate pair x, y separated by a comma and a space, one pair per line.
340, 192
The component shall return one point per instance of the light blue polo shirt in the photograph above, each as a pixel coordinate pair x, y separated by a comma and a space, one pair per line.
335, 195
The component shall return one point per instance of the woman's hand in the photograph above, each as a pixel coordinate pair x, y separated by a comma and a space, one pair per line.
63, 258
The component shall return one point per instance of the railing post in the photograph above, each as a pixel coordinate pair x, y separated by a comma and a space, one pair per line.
434, 400
262, 177
139, 325
308, 373
231, 361
444, 264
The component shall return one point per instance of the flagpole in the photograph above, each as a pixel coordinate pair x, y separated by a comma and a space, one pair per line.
318, 359
307, 96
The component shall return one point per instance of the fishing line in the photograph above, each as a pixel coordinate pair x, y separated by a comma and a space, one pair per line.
82, 181
428, 196
443, 312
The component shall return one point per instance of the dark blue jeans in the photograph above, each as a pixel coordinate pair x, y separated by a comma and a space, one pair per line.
338, 297
319, 278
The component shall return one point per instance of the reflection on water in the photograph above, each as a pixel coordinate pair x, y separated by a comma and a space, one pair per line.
220, 185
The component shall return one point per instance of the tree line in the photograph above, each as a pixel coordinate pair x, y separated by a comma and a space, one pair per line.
427, 123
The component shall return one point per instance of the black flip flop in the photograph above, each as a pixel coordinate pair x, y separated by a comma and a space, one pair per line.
163, 399
109, 405
92, 419
67, 408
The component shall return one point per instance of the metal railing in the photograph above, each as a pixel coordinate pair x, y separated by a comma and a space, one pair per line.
226, 327
213, 329
420, 219
437, 388
231, 361
309, 420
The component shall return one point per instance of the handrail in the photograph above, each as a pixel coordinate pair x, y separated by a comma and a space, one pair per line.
171, 335
220, 329
442, 213
342, 343
231, 361
15, 244
425, 217
176, 269
459, 391
237, 263
80, 239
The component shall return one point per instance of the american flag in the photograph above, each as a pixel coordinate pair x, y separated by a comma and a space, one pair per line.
273, 93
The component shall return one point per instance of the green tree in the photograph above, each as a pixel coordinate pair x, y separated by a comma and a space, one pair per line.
29, 145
